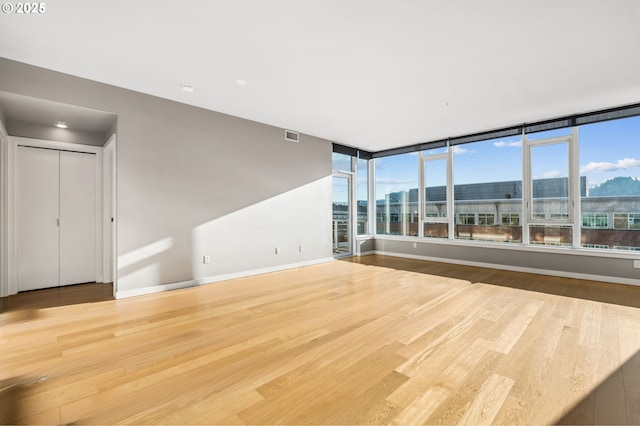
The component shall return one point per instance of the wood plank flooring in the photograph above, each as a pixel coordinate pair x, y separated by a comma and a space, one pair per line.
372, 340
57, 296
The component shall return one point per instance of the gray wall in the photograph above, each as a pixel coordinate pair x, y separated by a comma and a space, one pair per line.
512, 257
193, 182
37, 131
365, 245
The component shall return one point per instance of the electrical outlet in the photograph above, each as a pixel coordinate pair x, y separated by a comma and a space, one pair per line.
277, 250
636, 264
206, 259
301, 248
415, 245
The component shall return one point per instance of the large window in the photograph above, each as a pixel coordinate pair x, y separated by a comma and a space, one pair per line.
572, 182
610, 173
397, 195
488, 190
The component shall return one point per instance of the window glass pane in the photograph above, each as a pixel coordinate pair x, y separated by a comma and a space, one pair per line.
340, 224
435, 185
488, 190
341, 162
362, 195
550, 181
551, 235
610, 169
435, 151
397, 194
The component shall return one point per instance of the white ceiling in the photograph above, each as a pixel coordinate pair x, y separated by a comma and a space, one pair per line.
371, 74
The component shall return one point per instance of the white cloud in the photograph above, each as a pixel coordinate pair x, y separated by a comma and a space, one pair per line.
604, 166
552, 174
458, 150
502, 144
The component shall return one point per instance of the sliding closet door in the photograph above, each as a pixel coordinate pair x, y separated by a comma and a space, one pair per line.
77, 218
37, 182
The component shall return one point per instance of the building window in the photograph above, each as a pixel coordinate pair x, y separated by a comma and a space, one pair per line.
595, 246
466, 218
486, 218
510, 219
621, 220
628, 248
595, 221
626, 220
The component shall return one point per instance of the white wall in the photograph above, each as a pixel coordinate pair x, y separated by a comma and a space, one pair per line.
4, 144
192, 182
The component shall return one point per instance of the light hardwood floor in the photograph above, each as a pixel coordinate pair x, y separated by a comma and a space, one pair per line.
372, 340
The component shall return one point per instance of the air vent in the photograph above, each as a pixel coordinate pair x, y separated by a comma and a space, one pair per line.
291, 136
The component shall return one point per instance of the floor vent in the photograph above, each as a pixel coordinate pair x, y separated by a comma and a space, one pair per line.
291, 136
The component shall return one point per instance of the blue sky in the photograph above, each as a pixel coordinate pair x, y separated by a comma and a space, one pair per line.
607, 150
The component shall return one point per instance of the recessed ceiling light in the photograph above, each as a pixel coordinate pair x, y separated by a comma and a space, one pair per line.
188, 88
61, 125
241, 82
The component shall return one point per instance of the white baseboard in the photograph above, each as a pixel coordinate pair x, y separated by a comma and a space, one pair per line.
564, 274
216, 278
154, 289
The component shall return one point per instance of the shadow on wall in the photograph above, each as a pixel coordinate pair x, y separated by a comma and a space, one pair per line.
142, 265
295, 221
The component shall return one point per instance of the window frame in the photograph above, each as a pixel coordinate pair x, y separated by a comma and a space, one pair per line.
570, 218
574, 215
422, 211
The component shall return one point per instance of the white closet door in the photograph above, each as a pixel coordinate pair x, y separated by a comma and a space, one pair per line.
37, 209
77, 218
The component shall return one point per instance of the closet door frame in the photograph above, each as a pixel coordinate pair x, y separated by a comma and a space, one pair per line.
14, 142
